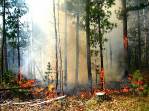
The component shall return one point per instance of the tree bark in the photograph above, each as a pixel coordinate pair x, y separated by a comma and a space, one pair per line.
77, 49
88, 44
101, 54
65, 49
18, 50
60, 53
56, 49
139, 36
4, 64
125, 36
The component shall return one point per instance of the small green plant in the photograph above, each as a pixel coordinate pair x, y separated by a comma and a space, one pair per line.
49, 71
137, 84
8, 79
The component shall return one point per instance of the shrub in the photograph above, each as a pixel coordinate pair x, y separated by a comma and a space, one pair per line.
137, 84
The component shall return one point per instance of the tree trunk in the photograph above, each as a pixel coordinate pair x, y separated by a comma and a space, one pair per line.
110, 46
77, 50
18, 50
60, 53
88, 43
139, 36
65, 49
56, 49
125, 36
4, 64
101, 55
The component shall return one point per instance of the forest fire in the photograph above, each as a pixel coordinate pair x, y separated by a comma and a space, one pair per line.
63, 55
125, 40
102, 78
26, 84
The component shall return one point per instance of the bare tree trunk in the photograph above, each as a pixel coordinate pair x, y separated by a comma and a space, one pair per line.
88, 44
101, 55
125, 36
65, 49
77, 50
110, 46
139, 35
60, 53
4, 64
18, 50
56, 49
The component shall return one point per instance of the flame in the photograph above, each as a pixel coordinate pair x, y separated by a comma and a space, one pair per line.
26, 84
19, 75
102, 77
125, 40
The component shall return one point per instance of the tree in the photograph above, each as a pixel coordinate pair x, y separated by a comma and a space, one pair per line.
4, 64
76, 9
65, 48
56, 42
100, 24
133, 6
15, 32
88, 43
48, 72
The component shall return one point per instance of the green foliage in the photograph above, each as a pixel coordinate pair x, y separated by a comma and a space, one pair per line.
100, 18
14, 25
49, 71
75, 6
20, 93
137, 76
9, 78
137, 84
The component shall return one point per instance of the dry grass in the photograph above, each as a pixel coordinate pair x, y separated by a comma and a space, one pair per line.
117, 103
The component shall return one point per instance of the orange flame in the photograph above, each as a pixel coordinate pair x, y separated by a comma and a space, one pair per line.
102, 77
125, 40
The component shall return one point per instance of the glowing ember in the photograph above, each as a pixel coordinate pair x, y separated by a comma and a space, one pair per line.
19, 75
125, 40
26, 84
125, 90
102, 78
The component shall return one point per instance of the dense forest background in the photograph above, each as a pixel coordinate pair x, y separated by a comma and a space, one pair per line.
72, 41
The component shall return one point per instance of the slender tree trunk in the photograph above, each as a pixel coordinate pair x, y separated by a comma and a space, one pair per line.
65, 49
145, 39
77, 49
110, 46
101, 55
125, 36
88, 43
60, 54
13, 59
4, 64
18, 50
139, 36
56, 49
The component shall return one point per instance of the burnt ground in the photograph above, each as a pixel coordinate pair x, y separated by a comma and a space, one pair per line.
117, 102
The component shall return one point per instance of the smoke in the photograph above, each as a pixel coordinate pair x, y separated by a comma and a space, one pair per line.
42, 45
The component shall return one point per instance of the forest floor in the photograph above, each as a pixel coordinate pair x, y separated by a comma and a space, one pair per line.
73, 103
115, 102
